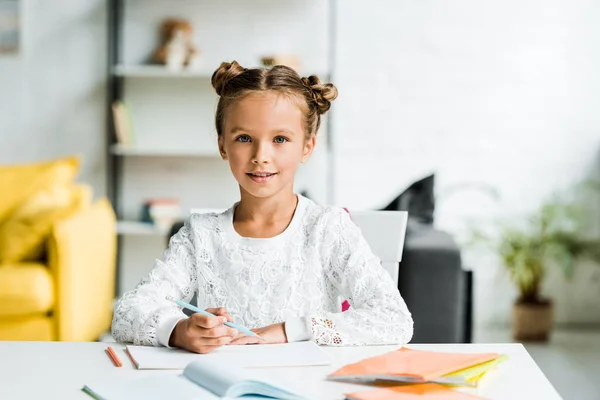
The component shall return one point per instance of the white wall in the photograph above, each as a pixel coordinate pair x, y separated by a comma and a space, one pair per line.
504, 93
52, 94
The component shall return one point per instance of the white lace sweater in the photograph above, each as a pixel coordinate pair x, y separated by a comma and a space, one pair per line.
299, 277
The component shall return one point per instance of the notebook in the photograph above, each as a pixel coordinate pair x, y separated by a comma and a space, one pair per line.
201, 379
473, 374
421, 391
264, 355
414, 366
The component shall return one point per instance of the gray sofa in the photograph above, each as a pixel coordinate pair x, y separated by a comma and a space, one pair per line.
431, 279
436, 289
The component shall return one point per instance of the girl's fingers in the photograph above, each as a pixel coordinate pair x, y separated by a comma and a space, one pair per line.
224, 313
221, 311
245, 340
215, 341
207, 322
218, 332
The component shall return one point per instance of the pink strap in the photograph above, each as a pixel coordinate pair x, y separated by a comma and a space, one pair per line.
345, 305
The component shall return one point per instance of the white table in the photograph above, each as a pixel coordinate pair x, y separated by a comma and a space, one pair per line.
58, 370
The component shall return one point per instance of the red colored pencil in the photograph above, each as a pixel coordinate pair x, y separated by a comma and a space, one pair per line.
113, 356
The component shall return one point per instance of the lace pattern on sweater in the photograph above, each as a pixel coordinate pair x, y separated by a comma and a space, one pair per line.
322, 261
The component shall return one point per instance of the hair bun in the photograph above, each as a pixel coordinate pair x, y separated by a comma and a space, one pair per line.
226, 72
322, 94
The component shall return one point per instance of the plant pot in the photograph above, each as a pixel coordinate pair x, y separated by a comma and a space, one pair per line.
532, 321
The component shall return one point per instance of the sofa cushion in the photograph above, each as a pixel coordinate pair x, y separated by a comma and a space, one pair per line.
17, 182
419, 200
25, 288
23, 235
30, 327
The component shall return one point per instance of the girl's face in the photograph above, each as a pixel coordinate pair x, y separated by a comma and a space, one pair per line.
263, 139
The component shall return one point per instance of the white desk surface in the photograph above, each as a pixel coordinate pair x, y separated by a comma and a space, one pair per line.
58, 370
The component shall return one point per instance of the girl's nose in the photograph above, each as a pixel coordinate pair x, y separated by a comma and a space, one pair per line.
261, 154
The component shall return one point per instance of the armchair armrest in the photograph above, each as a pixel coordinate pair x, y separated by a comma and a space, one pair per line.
82, 260
432, 283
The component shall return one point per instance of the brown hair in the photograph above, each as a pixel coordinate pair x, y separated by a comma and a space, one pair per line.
232, 82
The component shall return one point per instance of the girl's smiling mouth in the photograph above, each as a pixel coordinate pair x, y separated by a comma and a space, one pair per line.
261, 176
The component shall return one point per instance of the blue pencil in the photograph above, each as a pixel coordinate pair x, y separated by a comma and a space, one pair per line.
196, 309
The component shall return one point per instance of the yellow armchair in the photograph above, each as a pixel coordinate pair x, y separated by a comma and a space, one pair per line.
68, 297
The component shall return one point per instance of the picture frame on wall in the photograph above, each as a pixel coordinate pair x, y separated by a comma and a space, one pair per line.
10, 29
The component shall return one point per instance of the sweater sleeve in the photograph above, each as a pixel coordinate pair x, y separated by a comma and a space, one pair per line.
143, 316
378, 314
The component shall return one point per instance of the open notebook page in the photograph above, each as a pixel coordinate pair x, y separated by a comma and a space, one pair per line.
153, 388
264, 355
201, 379
231, 382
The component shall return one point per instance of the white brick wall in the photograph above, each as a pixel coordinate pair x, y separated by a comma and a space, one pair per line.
505, 93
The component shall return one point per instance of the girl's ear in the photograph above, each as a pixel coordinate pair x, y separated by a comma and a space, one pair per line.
222, 152
309, 146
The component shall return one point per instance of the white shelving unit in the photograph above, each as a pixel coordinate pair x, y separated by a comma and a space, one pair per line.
136, 228
158, 71
164, 152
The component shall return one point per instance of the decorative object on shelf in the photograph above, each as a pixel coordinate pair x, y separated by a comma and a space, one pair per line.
177, 49
9, 27
162, 212
290, 60
122, 121
552, 236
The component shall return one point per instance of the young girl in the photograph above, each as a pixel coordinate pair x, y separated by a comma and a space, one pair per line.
275, 262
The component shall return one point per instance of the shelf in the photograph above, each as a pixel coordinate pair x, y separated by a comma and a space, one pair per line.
158, 71
136, 228
121, 150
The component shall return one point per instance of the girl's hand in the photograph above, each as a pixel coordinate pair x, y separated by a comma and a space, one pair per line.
202, 334
268, 335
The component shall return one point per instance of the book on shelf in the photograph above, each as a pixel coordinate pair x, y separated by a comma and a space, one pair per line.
122, 121
162, 212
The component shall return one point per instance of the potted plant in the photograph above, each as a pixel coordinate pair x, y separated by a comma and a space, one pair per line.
551, 236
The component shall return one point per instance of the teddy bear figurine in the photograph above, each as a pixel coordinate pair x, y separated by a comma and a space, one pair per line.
177, 49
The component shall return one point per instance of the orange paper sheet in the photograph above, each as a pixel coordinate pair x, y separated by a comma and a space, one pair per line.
424, 391
422, 365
